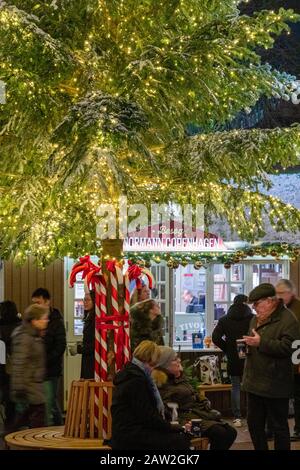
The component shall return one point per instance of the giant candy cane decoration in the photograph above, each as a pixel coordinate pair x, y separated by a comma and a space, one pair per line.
93, 276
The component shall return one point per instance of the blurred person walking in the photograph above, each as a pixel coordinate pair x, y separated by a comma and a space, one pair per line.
9, 320
28, 369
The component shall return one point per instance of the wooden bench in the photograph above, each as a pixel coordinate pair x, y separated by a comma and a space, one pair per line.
220, 398
214, 388
80, 430
51, 438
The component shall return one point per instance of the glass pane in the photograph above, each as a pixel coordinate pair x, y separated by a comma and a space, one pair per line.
221, 292
236, 289
78, 327
186, 324
79, 290
220, 310
270, 273
237, 272
219, 273
163, 273
162, 294
78, 317
189, 304
162, 308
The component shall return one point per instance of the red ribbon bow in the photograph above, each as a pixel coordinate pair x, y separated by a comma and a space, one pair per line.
105, 323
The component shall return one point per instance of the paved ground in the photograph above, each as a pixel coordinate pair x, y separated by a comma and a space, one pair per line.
243, 441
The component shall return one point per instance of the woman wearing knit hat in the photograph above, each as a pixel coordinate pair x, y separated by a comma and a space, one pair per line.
137, 409
28, 369
174, 387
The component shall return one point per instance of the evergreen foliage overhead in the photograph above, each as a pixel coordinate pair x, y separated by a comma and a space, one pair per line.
99, 96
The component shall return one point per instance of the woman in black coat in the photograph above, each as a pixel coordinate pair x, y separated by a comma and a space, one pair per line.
87, 348
231, 327
9, 320
146, 322
137, 410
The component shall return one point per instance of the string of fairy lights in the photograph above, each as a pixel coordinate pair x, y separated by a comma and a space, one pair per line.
273, 252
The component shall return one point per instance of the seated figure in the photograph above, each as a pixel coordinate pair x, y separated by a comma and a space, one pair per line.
174, 387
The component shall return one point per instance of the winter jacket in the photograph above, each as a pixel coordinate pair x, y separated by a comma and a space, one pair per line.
136, 422
6, 330
268, 369
294, 306
28, 365
231, 327
55, 344
190, 406
88, 347
143, 328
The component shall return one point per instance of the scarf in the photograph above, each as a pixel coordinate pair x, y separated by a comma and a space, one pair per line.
152, 384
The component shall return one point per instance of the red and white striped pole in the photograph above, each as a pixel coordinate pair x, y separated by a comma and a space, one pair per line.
127, 349
115, 307
103, 350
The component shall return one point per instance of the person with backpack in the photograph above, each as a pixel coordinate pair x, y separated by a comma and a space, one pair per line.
232, 326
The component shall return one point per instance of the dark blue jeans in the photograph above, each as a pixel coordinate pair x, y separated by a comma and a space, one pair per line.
54, 415
236, 396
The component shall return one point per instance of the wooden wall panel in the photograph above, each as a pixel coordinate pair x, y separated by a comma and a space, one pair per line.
21, 281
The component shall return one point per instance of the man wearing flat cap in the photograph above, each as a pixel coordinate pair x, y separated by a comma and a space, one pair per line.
268, 373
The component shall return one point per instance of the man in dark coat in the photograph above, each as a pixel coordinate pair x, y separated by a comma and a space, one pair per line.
137, 409
231, 327
268, 372
193, 305
55, 343
285, 290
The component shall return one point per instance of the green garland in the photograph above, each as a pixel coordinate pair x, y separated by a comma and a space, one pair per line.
203, 259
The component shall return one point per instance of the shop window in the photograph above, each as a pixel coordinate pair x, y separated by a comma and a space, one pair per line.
189, 304
159, 293
227, 284
220, 310
270, 273
78, 306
